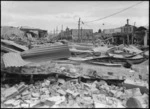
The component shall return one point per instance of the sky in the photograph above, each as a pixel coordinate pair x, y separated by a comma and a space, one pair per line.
50, 15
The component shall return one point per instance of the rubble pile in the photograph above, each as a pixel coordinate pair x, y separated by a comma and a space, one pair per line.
71, 75
14, 34
62, 94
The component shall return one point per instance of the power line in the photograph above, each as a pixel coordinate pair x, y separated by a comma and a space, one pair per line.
91, 26
115, 13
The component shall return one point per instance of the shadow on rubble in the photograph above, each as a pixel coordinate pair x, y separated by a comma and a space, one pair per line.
12, 79
108, 81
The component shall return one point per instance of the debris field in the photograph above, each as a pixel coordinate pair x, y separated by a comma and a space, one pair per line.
72, 75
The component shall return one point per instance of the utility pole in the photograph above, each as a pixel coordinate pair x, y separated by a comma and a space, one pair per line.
145, 38
128, 31
81, 35
61, 32
56, 30
133, 32
79, 29
61, 27
134, 23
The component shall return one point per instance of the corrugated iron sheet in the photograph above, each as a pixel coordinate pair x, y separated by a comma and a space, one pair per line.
46, 53
7, 49
13, 60
12, 45
41, 54
80, 47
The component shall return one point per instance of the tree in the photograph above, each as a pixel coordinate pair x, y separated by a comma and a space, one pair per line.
99, 31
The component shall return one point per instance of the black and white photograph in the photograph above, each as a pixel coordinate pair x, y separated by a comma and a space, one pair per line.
75, 54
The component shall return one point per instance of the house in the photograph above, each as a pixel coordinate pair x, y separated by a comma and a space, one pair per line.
121, 35
111, 31
34, 32
141, 36
128, 29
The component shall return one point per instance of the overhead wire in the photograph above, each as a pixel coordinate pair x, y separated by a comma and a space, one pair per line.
114, 13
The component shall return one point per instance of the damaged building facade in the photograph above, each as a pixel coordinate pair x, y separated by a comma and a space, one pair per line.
128, 34
77, 35
34, 32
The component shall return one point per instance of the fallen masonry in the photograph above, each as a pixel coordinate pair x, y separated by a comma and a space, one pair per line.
71, 94
74, 76
71, 86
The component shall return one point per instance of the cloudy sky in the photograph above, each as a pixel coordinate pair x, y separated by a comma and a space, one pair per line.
51, 14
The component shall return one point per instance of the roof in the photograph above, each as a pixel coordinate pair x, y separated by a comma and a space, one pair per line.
129, 26
141, 28
31, 28
36, 55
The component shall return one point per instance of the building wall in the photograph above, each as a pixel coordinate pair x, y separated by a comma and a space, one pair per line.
111, 31
43, 34
127, 29
84, 34
97, 35
124, 29
74, 34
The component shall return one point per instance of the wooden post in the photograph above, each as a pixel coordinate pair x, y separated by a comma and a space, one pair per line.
79, 29
112, 39
56, 76
31, 79
133, 35
123, 39
79, 79
61, 32
145, 39
132, 38
54, 32
128, 39
81, 34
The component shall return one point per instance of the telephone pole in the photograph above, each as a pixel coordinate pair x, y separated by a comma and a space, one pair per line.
81, 34
62, 27
128, 32
79, 29
61, 32
133, 33
56, 30
134, 23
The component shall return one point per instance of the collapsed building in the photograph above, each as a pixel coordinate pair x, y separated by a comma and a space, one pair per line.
34, 32
71, 75
128, 34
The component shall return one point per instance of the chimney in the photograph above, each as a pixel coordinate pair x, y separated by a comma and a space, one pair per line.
127, 21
